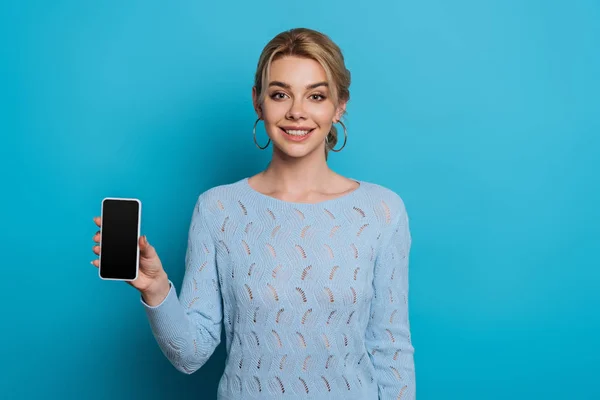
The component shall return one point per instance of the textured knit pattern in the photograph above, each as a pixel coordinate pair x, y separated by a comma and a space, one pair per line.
313, 297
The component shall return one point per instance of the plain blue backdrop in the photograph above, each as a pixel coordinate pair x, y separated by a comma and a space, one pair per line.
483, 116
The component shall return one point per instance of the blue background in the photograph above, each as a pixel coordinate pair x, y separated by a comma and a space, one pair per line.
483, 116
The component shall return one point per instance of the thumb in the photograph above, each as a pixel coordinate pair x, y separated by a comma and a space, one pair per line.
146, 249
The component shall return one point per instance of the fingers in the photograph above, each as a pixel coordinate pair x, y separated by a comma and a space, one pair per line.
146, 249
96, 238
96, 249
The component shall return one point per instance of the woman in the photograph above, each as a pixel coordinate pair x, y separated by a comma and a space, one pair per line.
307, 270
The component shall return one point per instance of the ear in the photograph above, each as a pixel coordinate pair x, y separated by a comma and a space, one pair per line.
341, 109
257, 107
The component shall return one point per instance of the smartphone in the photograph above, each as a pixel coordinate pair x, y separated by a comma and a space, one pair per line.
119, 238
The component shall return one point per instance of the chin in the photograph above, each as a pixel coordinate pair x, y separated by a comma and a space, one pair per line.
294, 150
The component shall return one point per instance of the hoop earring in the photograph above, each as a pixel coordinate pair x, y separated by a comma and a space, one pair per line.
345, 139
254, 135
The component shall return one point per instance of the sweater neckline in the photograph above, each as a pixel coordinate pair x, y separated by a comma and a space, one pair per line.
245, 182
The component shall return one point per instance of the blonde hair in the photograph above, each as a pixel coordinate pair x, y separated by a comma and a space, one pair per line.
308, 43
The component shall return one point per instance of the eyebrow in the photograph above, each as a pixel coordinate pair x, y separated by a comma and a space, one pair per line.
286, 86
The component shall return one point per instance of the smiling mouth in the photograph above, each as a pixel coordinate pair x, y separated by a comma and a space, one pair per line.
297, 132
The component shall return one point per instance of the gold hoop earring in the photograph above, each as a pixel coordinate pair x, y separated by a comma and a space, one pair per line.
254, 135
345, 139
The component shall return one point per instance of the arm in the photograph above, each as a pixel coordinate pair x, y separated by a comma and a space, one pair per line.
388, 330
188, 328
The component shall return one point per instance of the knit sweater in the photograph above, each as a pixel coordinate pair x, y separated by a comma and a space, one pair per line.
313, 297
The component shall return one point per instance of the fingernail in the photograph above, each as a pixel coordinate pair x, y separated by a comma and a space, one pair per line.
91, 262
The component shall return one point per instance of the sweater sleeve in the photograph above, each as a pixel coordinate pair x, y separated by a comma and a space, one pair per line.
388, 330
188, 329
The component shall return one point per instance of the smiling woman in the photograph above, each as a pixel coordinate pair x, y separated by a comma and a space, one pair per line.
306, 270
285, 103
303, 71
298, 110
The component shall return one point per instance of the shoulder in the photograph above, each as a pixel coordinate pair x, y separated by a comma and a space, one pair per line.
221, 192
391, 213
217, 197
388, 199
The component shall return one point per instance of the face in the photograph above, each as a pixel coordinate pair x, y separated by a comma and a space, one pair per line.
297, 109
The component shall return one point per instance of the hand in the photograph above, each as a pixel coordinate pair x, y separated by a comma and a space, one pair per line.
152, 279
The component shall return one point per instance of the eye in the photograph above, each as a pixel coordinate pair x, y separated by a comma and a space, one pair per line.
317, 97
278, 96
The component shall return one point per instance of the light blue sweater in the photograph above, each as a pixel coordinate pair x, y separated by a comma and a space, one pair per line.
313, 297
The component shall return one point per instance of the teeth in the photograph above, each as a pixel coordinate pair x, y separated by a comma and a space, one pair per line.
296, 133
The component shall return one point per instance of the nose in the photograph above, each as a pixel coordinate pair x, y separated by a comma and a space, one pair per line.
296, 110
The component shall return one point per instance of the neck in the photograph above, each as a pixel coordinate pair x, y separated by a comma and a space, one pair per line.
298, 175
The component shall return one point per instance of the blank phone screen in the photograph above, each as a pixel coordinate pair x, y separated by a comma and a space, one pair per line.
119, 239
